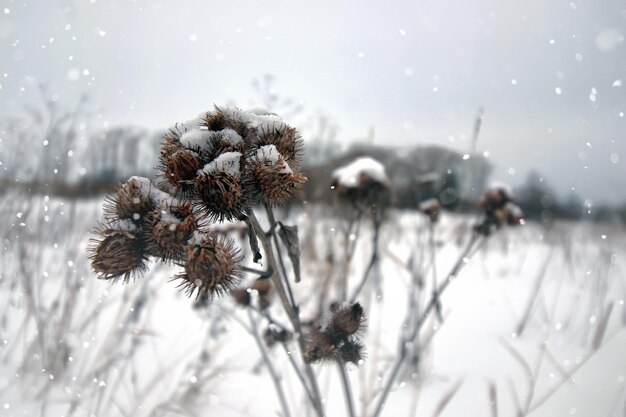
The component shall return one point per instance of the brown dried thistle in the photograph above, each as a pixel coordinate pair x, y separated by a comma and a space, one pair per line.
499, 208
118, 254
220, 196
270, 178
167, 231
131, 200
211, 266
211, 169
287, 142
338, 339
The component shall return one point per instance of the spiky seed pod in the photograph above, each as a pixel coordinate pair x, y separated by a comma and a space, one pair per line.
167, 232
219, 145
286, 140
179, 166
345, 321
320, 347
270, 178
117, 254
211, 266
499, 208
131, 200
351, 350
217, 120
338, 339
221, 196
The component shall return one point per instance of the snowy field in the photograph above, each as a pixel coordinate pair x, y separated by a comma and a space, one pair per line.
533, 324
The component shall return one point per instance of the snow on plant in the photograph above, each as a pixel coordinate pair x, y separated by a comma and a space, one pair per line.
217, 168
222, 167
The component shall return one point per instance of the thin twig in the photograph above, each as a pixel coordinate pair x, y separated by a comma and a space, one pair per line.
425, 314
373, 260
278, 280
270, 367
347, 389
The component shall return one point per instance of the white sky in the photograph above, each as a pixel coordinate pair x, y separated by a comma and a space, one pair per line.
416, 70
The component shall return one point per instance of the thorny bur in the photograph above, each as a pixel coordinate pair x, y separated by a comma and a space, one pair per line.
212, 169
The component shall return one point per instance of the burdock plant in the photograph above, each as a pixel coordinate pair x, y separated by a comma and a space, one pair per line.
215, 168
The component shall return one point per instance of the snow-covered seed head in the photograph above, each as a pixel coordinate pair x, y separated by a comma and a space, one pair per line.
431, 208
221, 196
131, 200
211, 266
270, 178
179, 166
168, 231
363, 185
218, 120
286, 140
117, 254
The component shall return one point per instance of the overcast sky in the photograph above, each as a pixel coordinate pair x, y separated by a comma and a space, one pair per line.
551, 75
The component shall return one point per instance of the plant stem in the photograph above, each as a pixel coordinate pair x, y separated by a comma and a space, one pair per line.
277, 279
418, 325
273, 224
372, 263
347, 389
270, 367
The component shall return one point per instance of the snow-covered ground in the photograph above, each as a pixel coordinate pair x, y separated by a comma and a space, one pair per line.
71, 345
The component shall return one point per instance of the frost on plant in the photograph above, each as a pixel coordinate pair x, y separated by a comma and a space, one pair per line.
213, 168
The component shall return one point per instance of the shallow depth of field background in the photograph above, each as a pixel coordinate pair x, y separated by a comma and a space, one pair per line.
450, 95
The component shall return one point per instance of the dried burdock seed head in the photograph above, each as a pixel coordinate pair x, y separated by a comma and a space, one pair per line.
270, 178
224, 119
221, 196
352, 351
118, 254
364, 185
179, 167
499, 208
211, 266
320, 348
168, 231
131, 200
431, 208
338, 339
495, 198
346, 320
210, 144
286, 140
